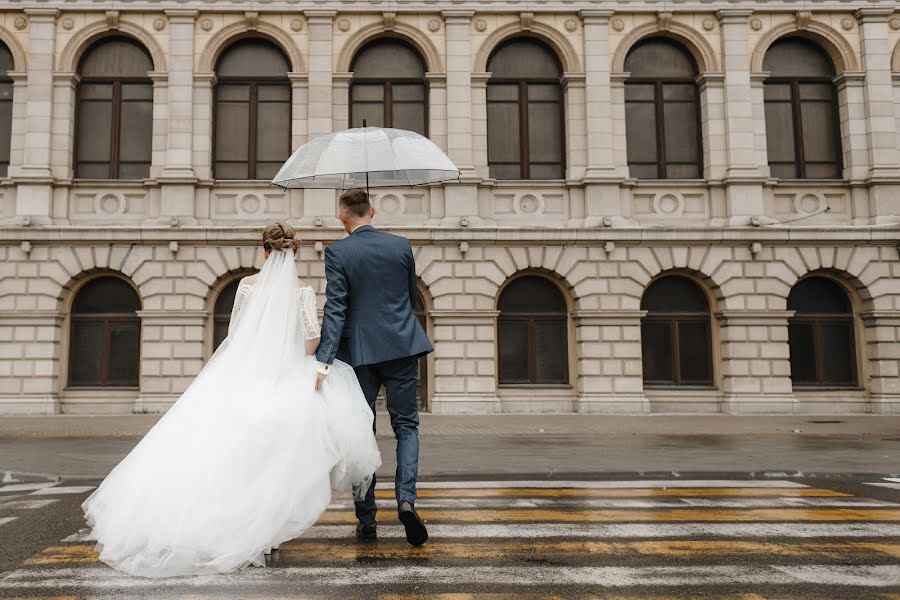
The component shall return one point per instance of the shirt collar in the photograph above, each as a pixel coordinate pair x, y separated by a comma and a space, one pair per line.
361, 227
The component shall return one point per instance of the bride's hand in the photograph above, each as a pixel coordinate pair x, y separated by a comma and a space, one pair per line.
320, 377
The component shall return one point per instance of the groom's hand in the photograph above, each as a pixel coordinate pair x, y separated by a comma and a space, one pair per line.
320, 377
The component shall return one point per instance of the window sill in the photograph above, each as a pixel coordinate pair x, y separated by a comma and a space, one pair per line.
531, 386
673, 387
827, 388
101, 388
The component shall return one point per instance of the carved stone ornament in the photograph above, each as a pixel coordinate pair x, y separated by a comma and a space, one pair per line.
803, 19
847, 23
480, 24
571, 25
894, 22
389, 20
618, 24
344, 25
112, 18
297, 25
68, 23
20, 23
206, 24
664, 20
756, 23
526, 20
252, 18
434, 25
709, 23
159, 23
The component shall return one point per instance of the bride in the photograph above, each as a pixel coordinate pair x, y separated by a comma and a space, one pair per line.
248, 456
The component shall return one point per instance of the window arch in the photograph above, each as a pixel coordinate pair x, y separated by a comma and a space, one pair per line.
676, 344
662, 112
526, 138
6, 101
802, 130
105, 334
532, 336
820, 335
252, 110
388, 87
114, 105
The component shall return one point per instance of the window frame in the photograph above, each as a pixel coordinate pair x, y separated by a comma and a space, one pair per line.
115, 125
673, 320
800, 162
105, 321
252, 108
524, 150
659, 103
5, 79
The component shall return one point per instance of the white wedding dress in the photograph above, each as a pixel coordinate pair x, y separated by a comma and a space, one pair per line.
248, 456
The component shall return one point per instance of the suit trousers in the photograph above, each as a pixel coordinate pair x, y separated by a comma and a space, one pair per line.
399, 377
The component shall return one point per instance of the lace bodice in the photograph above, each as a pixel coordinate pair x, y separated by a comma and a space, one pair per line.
309, 318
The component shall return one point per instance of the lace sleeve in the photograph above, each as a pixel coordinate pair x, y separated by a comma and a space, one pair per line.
308, 315
239, 297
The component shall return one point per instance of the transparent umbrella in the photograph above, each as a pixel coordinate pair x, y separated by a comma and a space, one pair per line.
366, 157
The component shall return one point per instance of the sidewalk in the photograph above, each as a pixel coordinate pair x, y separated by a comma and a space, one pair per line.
554, 446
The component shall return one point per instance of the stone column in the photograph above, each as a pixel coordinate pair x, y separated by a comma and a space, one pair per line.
177, 177
605, 166
34, 190
756, 369
479, 124
712, 108
854, 129
743, 180
171, 355
608, 362
437, 109
576, 133
465, 369
63, 129
17, 134
320, 204
203, 124
879, 95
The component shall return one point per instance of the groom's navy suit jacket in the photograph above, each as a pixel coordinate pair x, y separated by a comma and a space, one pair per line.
370, 300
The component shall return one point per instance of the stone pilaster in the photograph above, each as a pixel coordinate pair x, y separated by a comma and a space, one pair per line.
598, 95
465, 368
576, 151
203, 124
854, 128
881, 360
34, 195
755, 360
437, 108
171, 355
608, 362
479, 124
744, 191
879, 99
63, 129
320, 204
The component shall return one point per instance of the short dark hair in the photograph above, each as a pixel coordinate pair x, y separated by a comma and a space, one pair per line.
355, 202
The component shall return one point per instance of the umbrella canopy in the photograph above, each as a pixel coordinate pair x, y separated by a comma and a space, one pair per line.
366, 157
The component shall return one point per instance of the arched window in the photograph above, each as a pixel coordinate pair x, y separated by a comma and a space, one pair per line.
388, 87
662, 110
676, 347
114, 104
532, 335
820, 335
104, 343
526, 138
252, 111
6, 100
802, 131
222, 312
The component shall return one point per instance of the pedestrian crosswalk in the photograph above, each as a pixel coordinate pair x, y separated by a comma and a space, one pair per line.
495, 540
18, 497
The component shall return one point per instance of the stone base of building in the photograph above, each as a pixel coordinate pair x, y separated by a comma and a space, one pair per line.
29, 405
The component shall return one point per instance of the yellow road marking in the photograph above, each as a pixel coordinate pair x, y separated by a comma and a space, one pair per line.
633, 515
314, 550
619, 492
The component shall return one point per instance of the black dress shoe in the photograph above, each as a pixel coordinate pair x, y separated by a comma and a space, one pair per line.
416, 534
366, 533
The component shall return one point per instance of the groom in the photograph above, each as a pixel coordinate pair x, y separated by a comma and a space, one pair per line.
370, 323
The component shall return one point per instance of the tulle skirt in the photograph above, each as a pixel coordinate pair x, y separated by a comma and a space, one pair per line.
236, 466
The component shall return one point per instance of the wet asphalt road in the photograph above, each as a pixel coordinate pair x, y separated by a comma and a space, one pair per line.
727, 538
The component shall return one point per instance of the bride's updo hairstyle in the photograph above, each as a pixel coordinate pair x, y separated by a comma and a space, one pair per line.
280, 236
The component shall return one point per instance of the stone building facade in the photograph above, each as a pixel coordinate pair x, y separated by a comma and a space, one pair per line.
731, 279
